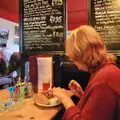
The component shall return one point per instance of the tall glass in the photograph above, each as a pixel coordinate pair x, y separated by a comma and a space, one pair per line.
46, 86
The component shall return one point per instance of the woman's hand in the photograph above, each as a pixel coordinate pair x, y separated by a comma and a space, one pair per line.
64, 97
75, 88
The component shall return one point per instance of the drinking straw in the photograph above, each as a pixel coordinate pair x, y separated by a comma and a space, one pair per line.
1, 105
22, 93
16, 92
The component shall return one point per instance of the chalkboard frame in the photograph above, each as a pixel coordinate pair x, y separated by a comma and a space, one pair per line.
37, 52
91, 21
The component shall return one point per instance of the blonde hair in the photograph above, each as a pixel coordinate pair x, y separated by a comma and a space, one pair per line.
85, 44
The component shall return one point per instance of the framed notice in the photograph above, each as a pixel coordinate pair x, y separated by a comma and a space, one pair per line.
4, 34
45, 72
105, 17
43, 26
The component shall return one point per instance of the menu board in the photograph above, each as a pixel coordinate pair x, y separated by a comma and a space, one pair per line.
44, 25
105, 17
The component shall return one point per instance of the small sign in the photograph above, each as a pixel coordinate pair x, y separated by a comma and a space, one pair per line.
45, 72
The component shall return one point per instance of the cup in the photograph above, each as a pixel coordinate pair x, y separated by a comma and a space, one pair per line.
46, 86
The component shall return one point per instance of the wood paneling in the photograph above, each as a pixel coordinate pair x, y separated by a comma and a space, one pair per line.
77, 13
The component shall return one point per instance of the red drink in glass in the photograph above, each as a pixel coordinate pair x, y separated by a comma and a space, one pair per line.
46, 86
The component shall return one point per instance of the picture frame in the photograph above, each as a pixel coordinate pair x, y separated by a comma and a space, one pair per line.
4, 35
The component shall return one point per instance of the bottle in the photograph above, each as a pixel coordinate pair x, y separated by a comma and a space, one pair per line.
29, 92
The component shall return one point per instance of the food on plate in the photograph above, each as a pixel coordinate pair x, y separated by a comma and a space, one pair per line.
42, 99
48, 94
53, 101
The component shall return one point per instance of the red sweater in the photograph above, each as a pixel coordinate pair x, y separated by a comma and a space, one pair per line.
99, 101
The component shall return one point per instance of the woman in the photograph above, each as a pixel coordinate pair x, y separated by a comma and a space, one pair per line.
99, 101
3, 66
15, 62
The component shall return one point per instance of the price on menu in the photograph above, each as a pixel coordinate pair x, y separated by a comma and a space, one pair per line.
57, 2
55, 19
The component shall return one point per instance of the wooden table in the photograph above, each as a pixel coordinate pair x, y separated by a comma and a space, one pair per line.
29, 111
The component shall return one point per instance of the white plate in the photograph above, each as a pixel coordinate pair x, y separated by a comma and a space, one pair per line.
47, 105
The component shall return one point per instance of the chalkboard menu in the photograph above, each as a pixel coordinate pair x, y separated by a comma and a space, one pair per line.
105, 17
44, 25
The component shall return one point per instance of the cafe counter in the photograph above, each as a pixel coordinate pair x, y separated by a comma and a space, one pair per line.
28, 111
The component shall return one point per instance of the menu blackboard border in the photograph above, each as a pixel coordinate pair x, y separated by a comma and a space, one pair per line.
57, 52
91, 21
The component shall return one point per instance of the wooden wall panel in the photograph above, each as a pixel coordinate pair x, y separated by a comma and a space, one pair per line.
77, 13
